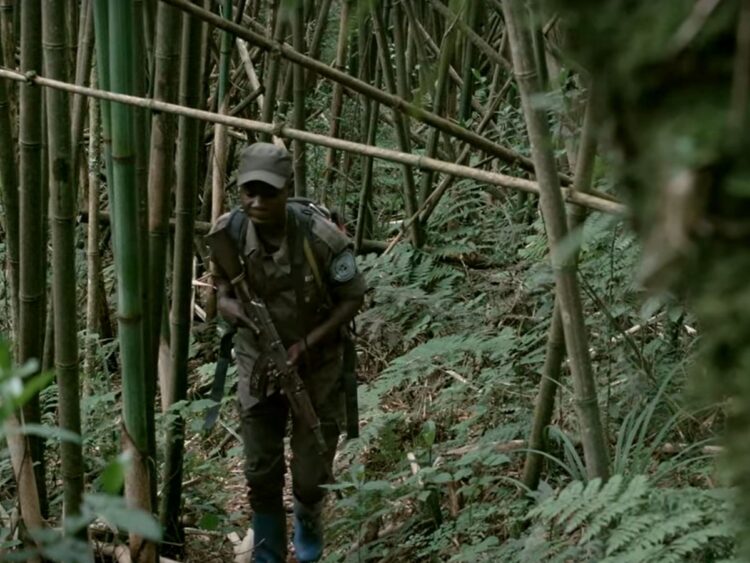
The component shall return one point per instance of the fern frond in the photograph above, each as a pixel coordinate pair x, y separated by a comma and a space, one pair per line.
591, 502
629, 529
631, 497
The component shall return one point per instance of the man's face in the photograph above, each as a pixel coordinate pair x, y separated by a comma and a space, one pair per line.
264, 204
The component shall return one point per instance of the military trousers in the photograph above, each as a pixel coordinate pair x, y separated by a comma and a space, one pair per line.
263, 429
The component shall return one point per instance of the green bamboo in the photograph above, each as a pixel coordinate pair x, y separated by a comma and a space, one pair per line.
82, 73
93, 258
298, 115
369, 127
62, 227
271, 82
401, 122
467, 67
278, 48
553, 211
439, 95
186, 189
32, 255
9, 192
8, 12
161, 168
128, 264
337, 98
555, 350
101, 27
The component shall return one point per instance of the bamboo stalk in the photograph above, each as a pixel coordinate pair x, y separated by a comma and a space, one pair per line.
93, 258
439, 95
161, 167
299, 86
271, 83
337, 98
128, 258
32, 255
370, 121
400, 120
62, 215
555, 350
467, 92
553, 211
595, 200
182, 276
9, 192
82, 72
8, 13
321, 23
388, 99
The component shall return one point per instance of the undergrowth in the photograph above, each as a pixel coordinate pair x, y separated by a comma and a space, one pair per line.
451, 354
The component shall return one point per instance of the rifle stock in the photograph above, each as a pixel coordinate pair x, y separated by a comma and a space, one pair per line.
225, 253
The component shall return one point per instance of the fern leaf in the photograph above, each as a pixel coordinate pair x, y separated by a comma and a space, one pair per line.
591, 503
629, 529
631, 497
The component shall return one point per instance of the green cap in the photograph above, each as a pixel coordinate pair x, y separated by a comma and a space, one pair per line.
265, 162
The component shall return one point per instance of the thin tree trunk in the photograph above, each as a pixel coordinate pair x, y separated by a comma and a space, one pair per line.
32, 251
467, 92
401, 122
128, 265
161, 173
9, 192
62, 228
555, 351
553, 211
271, 82
92, 248
82, 73
298, 116
8, 12
187, 173
439, 95
28, 496
337, 98
370, 122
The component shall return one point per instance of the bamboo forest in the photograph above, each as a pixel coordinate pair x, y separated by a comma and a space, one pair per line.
374, 280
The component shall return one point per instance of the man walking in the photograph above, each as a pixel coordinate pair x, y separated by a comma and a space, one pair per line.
303, 268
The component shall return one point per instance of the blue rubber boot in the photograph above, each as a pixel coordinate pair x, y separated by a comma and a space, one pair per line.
269, 539
308, 531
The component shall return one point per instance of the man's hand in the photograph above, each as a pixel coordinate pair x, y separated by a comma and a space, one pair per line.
231, 310
294, 353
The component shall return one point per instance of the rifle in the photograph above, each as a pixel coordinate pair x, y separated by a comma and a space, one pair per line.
224, 252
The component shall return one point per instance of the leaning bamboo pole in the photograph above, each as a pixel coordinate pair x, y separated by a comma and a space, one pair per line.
595, 200
32, 255
555, 349
592, 434
278, 48
182, 277
62, 226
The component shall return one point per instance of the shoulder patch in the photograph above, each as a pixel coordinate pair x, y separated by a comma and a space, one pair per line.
344, 267
330, 235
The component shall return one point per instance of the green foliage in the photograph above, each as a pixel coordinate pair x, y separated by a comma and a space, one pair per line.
628, 520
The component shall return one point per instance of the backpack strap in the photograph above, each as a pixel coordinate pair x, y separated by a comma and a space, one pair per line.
237, 227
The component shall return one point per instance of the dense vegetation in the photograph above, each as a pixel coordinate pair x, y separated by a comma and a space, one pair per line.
465, 324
